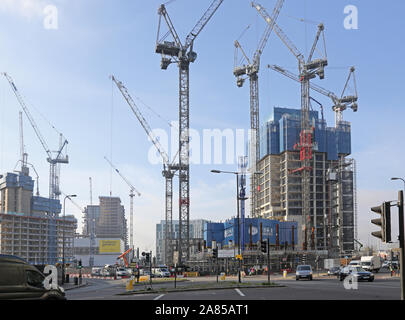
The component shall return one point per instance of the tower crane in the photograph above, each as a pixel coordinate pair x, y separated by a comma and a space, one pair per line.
183, 55
251, 70
54, 161
308, 70
169, 169
131, 196
339, 104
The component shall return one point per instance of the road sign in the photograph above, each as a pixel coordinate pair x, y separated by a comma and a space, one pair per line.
238, 256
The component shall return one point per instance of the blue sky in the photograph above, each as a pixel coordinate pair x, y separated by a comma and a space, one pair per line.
64, 74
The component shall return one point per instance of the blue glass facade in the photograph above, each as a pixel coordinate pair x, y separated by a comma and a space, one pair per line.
227, 232
282, 132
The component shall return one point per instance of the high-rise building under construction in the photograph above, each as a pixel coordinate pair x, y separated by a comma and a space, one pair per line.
332, 180
111, 222
31, 226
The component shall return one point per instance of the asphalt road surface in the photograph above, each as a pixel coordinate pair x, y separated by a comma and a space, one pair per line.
317, 289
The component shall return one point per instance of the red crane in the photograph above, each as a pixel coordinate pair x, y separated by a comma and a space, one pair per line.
123, 256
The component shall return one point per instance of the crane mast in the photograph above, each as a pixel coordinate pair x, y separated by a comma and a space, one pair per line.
308, 70
168, 172
339, 104
54, 174
131, 196
183, 55
252, 72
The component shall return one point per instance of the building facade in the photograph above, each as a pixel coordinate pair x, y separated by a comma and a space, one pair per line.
196, 236
105, 251
111, 222
332, 179
31, 226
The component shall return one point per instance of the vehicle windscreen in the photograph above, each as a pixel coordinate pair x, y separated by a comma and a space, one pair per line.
365, 263
304, 268
358, 269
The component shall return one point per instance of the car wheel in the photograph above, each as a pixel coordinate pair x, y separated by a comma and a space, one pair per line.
370, 280
310, 278
297, 278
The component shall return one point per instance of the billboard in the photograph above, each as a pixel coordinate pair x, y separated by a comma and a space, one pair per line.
109, 246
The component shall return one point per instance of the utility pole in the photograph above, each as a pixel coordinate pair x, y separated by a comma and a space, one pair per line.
401, 241
268, 260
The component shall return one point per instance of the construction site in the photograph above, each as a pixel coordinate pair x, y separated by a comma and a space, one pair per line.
300, 173
299, 168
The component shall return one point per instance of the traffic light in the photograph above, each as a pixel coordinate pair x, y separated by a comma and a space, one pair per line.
146, 255
263, 246
80, 263
215, 253
384, 222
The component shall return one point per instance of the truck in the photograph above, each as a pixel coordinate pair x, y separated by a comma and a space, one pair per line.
371, 263
331, 263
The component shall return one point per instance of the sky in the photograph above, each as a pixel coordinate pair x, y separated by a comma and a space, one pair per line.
63, 74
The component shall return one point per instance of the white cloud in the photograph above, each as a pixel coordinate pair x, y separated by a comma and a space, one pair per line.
25, 8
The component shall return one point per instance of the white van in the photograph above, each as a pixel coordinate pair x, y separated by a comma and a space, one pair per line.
354, 263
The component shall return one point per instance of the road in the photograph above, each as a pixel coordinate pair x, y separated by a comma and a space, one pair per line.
318, 289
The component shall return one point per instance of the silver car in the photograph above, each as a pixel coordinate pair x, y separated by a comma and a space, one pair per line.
303, 272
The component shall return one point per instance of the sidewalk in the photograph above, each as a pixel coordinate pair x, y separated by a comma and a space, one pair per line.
71, 285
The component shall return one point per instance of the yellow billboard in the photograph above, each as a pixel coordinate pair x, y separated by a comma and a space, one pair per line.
109, 246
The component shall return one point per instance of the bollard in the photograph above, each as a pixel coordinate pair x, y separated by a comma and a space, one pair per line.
285, 274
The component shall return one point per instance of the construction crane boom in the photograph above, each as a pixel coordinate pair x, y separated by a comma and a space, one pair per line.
169, 169
339, 104
54, 191
142, 120
183, 55
133, 189
28, 114
202, 23
131, 196
252, 72
308, 70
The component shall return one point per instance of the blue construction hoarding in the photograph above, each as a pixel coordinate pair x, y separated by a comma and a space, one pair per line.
227, 233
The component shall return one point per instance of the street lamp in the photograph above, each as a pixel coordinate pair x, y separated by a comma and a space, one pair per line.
237, 208
63, 230
398, 179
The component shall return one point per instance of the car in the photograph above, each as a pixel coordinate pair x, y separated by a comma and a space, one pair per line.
96, 271
358, 272
122, 272
303, 271
19, 281
333, 271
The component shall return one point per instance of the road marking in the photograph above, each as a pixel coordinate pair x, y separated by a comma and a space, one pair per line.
158, 297
240, 292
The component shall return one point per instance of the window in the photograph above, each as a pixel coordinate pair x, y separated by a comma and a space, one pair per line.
304, 268
35, 279
10, 276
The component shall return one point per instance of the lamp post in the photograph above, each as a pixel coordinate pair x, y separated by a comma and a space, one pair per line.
63, 237
401, 237
237, 209
238, 212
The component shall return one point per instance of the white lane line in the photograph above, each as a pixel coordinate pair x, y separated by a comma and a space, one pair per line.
158, 297
239, 292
